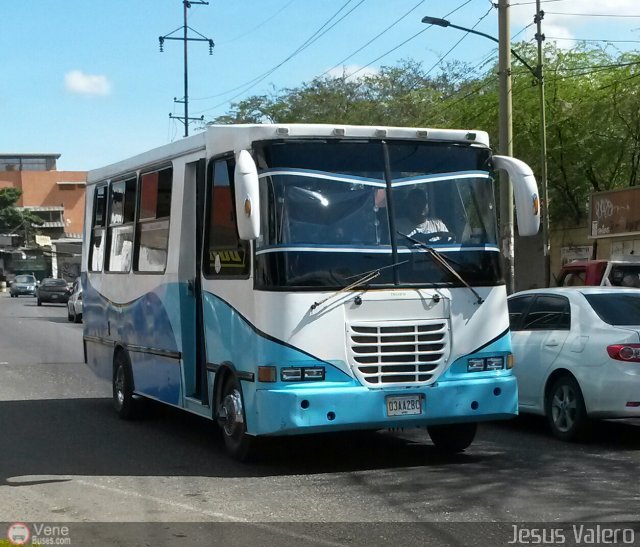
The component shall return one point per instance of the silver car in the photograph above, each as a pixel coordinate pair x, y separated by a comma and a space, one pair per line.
74, 304
23, 285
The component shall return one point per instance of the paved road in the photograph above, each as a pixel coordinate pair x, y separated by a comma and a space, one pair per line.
67, 458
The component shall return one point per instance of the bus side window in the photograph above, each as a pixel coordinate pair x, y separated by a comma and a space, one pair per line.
225, 254
120, 225
152, 229
96, 249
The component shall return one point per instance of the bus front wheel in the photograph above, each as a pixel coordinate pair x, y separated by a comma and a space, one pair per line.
452, 438
123, 400
231, 419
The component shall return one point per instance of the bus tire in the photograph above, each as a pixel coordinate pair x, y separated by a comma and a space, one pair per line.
123, 400
231, 419
453, 438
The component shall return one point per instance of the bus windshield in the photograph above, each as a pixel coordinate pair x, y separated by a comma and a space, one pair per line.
334, 209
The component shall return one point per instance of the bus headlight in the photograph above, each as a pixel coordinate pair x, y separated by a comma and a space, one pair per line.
302, 374
475, 365
495, 363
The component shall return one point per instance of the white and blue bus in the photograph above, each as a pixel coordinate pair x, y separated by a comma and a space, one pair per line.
267, 277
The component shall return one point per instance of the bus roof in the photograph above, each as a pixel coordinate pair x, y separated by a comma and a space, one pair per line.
218, 139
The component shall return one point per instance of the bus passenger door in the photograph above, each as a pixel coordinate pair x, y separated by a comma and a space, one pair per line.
190, 270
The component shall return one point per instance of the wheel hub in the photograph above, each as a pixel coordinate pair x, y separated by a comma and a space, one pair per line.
230, 415
119, 385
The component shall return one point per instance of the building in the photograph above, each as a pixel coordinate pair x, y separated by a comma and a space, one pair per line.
57, 197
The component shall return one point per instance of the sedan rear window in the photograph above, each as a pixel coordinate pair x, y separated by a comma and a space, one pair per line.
55, 282
616, 309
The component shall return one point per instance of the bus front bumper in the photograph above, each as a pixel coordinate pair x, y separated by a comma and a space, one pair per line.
311, 409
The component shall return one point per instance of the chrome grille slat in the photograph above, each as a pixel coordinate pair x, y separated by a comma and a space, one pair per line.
398, 353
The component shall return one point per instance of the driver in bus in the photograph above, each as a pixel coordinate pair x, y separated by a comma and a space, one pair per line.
417, 219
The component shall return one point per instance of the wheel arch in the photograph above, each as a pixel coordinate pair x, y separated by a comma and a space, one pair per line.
225, 369
557, 373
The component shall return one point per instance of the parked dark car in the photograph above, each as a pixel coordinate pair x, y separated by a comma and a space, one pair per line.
53, 290
23, 285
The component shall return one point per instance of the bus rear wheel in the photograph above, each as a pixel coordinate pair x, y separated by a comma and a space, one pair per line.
123, 400
452, 438
231, 419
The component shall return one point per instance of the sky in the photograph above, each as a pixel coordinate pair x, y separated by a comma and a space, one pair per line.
86, 78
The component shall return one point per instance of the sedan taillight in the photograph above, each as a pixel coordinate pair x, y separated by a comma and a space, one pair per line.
624, 352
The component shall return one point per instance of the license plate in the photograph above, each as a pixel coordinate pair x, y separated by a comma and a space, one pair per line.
404, 405
54, 296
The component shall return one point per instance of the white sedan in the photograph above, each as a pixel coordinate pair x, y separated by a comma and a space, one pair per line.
74, 304
577, 355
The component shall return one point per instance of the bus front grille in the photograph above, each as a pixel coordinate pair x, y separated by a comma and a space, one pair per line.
398, 353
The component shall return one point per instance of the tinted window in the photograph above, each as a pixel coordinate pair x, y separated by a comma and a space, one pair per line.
97, 230
517, 307
616, 309
548, 313
55, 282
153, 221
225, 254
120, 230
625, 276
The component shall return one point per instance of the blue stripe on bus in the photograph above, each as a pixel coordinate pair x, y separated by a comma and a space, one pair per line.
146, 322
231, 338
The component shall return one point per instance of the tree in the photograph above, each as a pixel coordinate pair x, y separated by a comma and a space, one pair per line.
592, 105
13, 219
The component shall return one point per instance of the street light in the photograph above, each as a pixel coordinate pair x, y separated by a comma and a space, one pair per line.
506, 206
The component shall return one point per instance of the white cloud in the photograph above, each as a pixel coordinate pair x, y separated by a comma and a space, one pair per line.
348, 70
78, 82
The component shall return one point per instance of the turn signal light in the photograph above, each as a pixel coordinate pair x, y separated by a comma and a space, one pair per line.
624, 352
267, 374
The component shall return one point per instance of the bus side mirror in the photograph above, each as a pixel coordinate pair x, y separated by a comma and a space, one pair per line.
247, 196
525, 192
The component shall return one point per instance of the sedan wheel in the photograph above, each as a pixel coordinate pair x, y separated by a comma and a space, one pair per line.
565, 410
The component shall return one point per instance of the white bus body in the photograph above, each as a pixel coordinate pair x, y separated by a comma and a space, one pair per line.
324, 315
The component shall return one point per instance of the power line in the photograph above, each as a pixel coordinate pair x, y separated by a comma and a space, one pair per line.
466, 34
588, 71
373, 39
612, 65
259, 25
528, 3
404, 42
594, 40
592, 14
313, 38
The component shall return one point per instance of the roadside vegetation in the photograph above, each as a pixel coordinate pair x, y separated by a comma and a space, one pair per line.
592, 110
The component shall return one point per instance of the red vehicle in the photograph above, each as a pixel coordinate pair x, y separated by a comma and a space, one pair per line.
619, 273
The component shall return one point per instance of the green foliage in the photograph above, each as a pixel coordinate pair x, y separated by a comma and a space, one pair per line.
11, 218
592, 103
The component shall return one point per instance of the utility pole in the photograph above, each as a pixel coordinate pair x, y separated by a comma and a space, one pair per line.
543, 150
505, 139
186, 39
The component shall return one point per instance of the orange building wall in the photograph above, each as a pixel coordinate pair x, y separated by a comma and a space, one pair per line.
40, 188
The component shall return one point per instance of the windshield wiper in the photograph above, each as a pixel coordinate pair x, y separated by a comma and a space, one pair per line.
442, 261
364, 279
